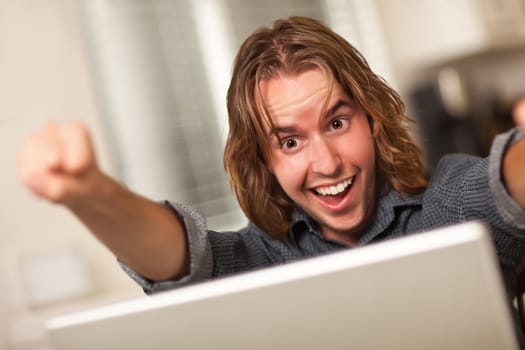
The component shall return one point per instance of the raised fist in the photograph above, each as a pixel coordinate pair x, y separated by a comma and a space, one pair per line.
58, 162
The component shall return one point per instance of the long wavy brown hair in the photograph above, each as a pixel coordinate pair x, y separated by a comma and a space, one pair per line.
291, 46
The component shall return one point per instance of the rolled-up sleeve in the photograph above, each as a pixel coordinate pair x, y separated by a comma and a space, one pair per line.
201, 260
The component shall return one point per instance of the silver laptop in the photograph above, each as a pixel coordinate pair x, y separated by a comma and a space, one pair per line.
436, 290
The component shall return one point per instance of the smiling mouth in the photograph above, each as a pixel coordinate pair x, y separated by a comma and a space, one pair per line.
335, 190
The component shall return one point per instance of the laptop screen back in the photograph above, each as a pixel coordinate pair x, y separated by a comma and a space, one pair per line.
436, 290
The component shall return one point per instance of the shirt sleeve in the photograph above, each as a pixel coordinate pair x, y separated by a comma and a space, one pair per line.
201, 262
511, 213
467, 188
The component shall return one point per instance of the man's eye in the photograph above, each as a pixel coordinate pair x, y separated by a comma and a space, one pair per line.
337, 124
289, 143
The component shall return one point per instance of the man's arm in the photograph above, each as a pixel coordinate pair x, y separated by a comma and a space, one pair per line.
514, 160
58, 164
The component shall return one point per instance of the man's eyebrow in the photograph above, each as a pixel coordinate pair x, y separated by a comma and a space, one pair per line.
340, 103
276, 131
283, 129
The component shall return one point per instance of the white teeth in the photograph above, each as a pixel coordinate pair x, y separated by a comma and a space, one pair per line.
333, 190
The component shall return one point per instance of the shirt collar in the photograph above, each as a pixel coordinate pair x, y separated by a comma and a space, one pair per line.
384, 216
386, 212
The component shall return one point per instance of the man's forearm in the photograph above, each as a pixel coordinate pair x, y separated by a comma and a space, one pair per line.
143, 234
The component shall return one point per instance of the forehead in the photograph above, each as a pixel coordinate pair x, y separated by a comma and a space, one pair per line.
288, 95
297, 89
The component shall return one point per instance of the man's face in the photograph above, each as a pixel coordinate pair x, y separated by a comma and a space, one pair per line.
325, 158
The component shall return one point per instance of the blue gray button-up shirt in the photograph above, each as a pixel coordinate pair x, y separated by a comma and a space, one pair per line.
462, 188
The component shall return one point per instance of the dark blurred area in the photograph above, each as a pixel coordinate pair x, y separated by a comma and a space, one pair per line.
461, 104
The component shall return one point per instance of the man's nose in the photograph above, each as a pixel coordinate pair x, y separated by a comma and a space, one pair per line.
324, 158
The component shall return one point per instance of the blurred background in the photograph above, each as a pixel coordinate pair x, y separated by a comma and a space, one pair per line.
149, 78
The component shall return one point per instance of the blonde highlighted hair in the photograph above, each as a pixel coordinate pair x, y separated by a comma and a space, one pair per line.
291, 46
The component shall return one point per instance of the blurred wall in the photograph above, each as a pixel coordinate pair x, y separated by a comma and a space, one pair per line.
420, 34
43, 76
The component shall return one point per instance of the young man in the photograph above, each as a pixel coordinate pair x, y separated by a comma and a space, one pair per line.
319, 158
